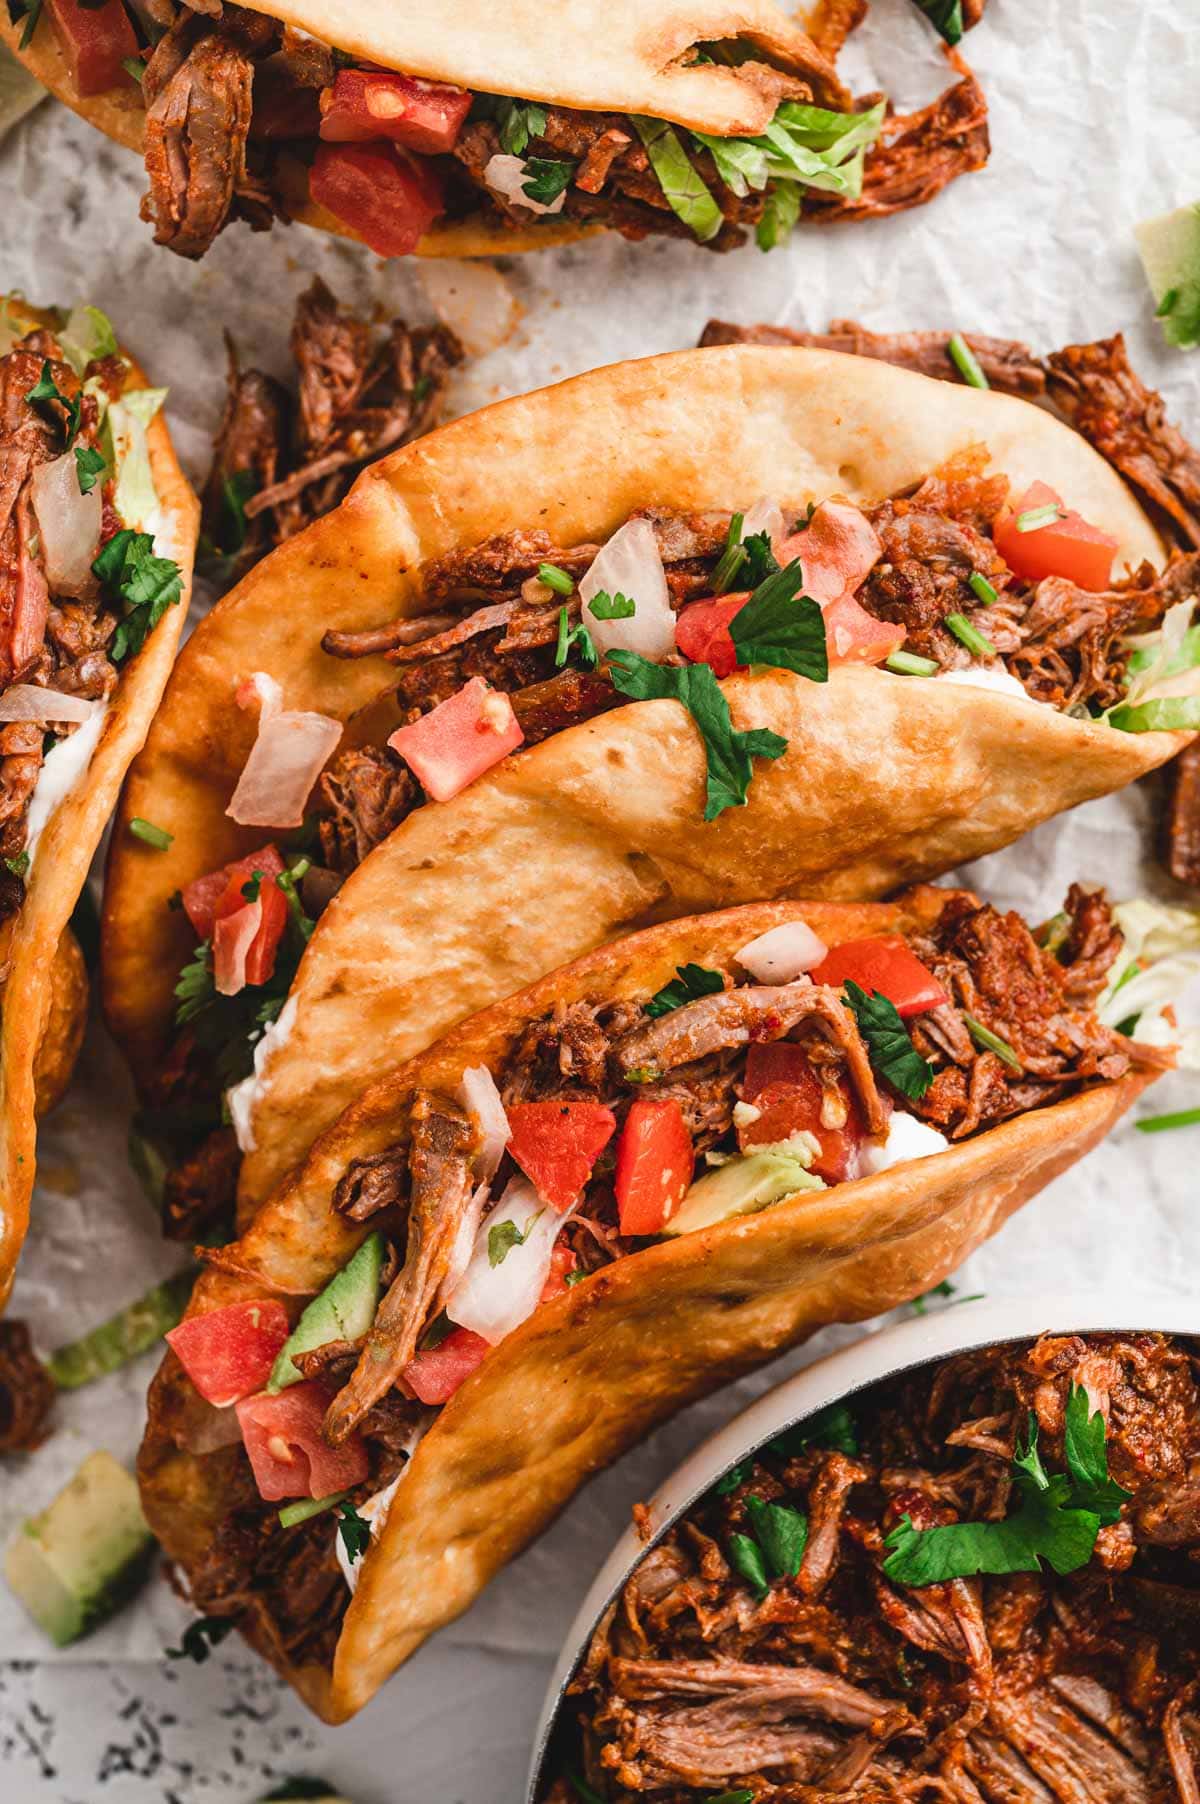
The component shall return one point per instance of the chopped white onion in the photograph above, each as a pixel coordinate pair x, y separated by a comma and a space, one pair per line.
630, 565
27, 701
490, 1299
68, 522
782, 953
508, 175
480, 1098
765, 516
473, 299
285, 761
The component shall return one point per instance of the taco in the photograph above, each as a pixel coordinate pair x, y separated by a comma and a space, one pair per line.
591, 1204
473, 579
97, 530
398, 124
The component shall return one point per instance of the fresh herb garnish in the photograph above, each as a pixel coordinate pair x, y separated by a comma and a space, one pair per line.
1059, 1517
745, 1556
735, 1476
200, 1637
611, 607
907, 663
983, 588
236, 490
1035, 517
888, 1043
970, 636
833, 1426
945, 16
547, 179
730, 1797
761, 561
354, 1530
781, 628
1161, 1124
89, 467
920, 1305
689, 982
194, 989
158, 837
574, 1278
147, 584
731, 559
575, 638
964, 358
134, 65
556, 579
728, 752
32, 12
46, 396
781, 1532
18, 865
585, 1792
983, 1036
502, 1238
519, 121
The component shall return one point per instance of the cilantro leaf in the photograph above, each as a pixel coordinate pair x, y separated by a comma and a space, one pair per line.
761, 559
736, 1475
354, 1529
727, 751
833, 1426
89, 467
779, 628
147, 584
519, 121
946, 17
548, 178
781, 1532
574, 638
689, 982
200, 1637
1087, 1460
46, 395
745, 1556
236, 490
731, 1797
195, 988
502, 1238
891, 1050
611, 607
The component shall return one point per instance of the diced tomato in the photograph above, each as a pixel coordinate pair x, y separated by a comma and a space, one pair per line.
556, 1144
260, 958
245, 934
434, 1375
288, 1452
562, 1263
426, 116
95, 41
884, 966
1068, 546
283, 109
389, 198
781, 1084
459, 739
853, 636
838, 549
655, 1161
702, 632
218, 893
229, 1352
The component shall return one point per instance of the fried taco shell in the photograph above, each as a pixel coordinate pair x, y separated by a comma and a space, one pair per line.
599, 828
43, 1001
591, 1372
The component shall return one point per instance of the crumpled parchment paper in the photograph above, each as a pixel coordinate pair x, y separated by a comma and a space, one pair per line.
1093, 125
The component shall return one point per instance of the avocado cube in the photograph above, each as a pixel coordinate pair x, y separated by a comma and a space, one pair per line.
83, 1555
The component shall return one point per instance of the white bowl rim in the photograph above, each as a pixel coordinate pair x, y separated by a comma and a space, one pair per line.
940, 1334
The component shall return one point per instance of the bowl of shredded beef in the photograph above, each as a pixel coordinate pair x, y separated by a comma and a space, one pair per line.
956, 1563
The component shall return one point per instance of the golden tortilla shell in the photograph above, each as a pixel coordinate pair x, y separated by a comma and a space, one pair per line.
623, 57
66, 1021
37, 996
599, 829
591, 1373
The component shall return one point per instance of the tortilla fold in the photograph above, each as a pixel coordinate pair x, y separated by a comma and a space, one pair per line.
599, 829
628, 61
41, 1005
590, 1373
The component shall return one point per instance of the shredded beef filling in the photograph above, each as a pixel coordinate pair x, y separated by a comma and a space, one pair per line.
1019, 1689
27, 1391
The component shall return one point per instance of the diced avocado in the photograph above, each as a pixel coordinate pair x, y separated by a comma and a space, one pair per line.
1170, 252
344, 1310
76, 1562
742, 1187
131, 1331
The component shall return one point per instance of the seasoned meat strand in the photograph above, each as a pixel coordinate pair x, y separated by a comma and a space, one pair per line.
195, 130
1008, 365
379, 1181
1181, 824
439, 1162
924, 574
500, 563
561, 701
27, 1391
362, 797
246, 452
201, 1191
1092, 945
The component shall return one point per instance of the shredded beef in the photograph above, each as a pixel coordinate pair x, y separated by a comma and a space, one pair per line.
368, 1185
362, 797
1018, 1689
200, 1192
924, 574
246, 455
1008, 365
1181, 825
27, 1391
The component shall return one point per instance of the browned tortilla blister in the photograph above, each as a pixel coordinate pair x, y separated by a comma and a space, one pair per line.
600, 829
592, 1372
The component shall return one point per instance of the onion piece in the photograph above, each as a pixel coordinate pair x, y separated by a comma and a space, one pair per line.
464, 1244
28, 701
490, 1299
480, 1098
473, 299
285, 760
630, 565
508, 175
233, 937
765, 516
69, 523
782, 953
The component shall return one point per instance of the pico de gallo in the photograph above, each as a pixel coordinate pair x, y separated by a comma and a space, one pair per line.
242, 112
610, 1124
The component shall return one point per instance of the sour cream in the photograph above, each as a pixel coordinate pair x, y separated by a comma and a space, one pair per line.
907, 1138
986, 676
375, 1510
62, 768
242, 1099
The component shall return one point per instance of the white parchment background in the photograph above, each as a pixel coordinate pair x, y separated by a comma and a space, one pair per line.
1094, 117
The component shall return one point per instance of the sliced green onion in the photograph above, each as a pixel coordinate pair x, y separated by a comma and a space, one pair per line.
983, 588
1033, 517
556, 579
307, 1507
732, 558
907, 663
133, 65
1159, 1124
158, 837
564, 639
983, 1036
970, 636
966, 362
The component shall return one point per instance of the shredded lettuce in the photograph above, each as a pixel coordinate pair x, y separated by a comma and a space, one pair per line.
1156, 661
87, 334
135, 497
808, 145
685, 192
1159, 958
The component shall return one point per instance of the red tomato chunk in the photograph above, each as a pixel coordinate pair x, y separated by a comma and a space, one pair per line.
289, 1454
654, 1166
95, 42
883, 966
1067, 547
229, 1352
556, 1144
434, 1375
425, 116
387, 197
459, 739
782, 1085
